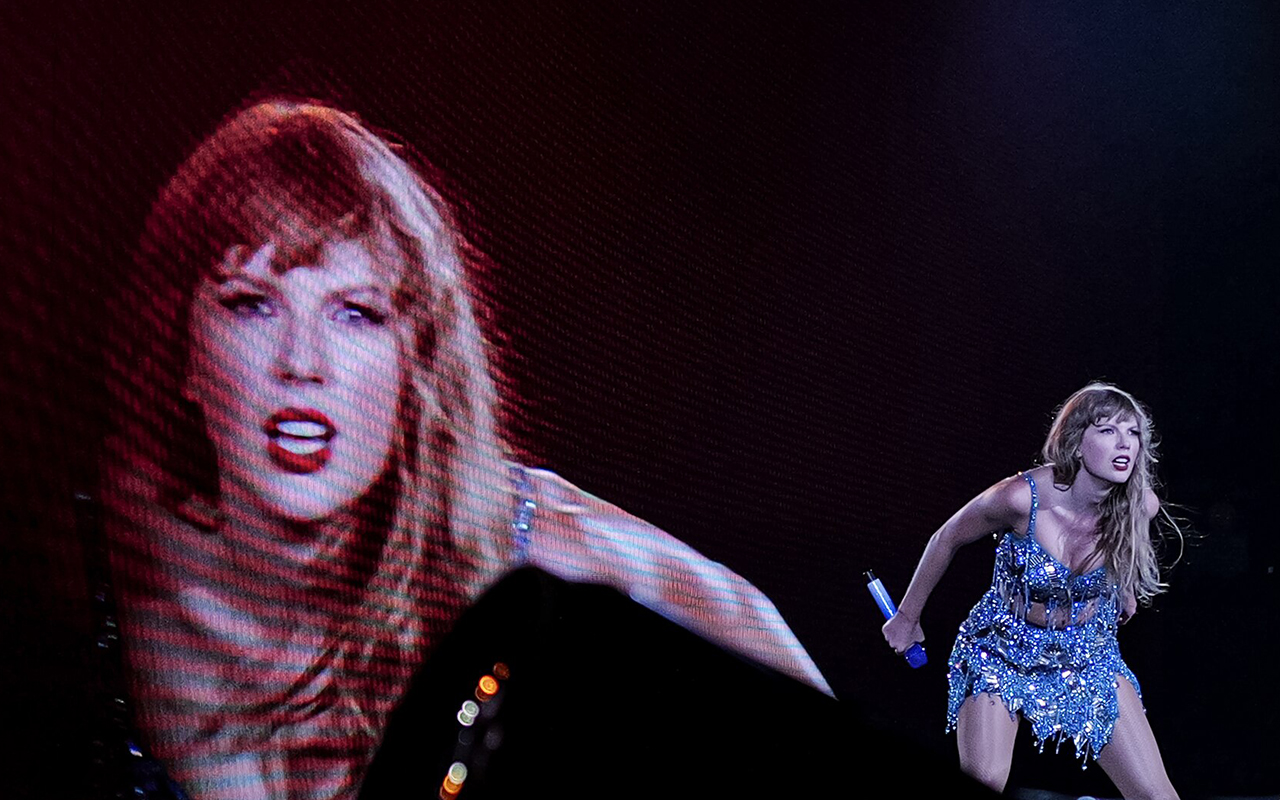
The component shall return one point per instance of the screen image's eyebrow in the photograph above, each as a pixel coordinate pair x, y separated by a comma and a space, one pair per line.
221, 276
370, 291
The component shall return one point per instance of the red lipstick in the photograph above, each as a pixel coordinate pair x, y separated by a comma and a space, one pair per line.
299, 440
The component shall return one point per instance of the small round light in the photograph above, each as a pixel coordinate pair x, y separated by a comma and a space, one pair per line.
502, 671
453, 780
487, 688
466, 719
470, 708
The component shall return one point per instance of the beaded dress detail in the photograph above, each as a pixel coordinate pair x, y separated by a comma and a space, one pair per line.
1044, 640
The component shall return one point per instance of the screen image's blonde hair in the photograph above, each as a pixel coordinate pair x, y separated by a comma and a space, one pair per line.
1124, 532
298, 175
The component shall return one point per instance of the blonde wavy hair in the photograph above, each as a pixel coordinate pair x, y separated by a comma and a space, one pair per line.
1124, 534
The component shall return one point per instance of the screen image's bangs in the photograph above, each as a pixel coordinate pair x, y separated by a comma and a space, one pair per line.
300, 229
296, 185
298, 226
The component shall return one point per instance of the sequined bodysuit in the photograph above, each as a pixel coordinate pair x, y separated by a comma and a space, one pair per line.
1044, 640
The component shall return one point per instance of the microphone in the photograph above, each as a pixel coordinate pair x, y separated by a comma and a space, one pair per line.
915, 654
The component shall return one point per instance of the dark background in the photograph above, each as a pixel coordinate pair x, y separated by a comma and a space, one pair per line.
792, 283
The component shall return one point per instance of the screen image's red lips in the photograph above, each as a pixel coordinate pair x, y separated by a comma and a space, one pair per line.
298, 439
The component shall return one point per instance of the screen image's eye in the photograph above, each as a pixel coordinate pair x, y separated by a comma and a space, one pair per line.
359, 314
248, 304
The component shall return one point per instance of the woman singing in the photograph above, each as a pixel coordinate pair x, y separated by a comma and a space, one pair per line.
1074, 560
307, 484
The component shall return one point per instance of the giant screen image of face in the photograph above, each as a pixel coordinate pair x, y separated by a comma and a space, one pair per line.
354, 496
331, 315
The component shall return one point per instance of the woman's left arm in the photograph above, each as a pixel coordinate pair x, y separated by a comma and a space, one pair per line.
582, 538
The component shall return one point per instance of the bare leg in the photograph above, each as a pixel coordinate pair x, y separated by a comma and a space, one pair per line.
985, 733
1132, 759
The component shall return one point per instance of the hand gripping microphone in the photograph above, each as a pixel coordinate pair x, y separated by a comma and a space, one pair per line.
915, 654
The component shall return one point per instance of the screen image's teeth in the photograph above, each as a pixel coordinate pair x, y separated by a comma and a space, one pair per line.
301, 447
301, 429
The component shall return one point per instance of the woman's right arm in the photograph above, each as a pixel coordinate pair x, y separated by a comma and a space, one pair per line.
583, 538
1006, 504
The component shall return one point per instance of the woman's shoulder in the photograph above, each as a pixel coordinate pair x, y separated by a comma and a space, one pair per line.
1008, 503
1150, 504
1017, 493
1042, 476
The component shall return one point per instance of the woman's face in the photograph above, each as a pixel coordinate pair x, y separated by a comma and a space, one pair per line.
298, 372
1110, 447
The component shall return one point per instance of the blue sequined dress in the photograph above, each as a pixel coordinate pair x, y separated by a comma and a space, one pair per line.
1044, 640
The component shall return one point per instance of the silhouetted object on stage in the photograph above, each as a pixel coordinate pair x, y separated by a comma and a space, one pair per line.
122, 765
915, 654
574, 690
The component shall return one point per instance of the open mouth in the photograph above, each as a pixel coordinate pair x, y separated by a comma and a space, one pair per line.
1120, 462
298, 440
